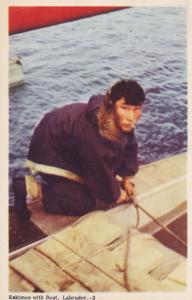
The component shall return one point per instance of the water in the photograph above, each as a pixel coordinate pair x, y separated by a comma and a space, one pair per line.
72, 61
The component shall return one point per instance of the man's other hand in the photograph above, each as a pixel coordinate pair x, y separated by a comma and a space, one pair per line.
122, 198
129, 187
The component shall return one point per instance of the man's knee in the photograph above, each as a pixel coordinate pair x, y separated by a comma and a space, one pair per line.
57, 203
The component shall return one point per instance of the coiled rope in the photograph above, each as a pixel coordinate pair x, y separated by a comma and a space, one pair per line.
128, 235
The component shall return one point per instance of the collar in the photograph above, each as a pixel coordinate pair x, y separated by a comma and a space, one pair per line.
93, 106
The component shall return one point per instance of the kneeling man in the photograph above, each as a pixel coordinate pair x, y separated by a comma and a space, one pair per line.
79, 149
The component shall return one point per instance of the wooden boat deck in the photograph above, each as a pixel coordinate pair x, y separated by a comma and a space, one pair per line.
90, 254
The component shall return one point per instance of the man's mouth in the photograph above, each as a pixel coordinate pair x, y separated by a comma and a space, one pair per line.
131, 125
128, 127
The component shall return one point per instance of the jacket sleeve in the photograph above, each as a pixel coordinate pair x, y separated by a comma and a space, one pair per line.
99, 175
129, 163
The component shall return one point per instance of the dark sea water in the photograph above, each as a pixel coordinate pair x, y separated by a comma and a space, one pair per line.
72, 61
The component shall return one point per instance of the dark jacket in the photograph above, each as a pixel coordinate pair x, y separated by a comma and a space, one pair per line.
69, 138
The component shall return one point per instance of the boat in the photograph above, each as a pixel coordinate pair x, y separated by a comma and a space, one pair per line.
16, 76
25, 18
22, 19
115, 249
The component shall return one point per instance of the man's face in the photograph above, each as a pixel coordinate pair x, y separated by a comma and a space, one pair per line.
126, 115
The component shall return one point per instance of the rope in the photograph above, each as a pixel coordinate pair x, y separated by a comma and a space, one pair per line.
128, 286
137, 206
128, 239
87, 259
168, 230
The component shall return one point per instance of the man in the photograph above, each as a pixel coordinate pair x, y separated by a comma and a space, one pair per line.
79, 149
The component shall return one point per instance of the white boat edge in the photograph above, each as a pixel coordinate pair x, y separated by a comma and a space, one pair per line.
16, 76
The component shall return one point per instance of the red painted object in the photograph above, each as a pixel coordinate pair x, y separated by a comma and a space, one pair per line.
32, 17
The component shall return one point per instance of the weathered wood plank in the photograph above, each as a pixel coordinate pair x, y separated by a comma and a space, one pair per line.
140, 246
141, 186
102, 272
157, 204
174, 285
164, 169
100, 229
104, 261
171, 163
57, 252
18, 284
169, 263
174, 196
41, 272
147, 176
49, 223
76, 267
77, 241
161, 260
179, 163
141, 281
167, 266
179, 274
152, 227
77, 287
112, 262
138, 279
149, 255
95, 279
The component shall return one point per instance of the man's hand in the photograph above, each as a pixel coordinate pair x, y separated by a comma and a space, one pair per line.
122, 198
129, 187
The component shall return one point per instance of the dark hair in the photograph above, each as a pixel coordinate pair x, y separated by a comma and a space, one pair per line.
130, 90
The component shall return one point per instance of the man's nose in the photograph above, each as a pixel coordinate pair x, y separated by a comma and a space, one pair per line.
130, 115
